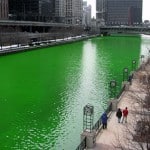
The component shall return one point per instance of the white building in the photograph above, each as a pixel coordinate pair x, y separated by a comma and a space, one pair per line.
69, 11
73, 12
86, 15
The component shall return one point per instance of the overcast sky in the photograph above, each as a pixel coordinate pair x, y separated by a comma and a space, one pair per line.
146, 8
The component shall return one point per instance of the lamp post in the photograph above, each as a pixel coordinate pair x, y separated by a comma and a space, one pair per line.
113, 85
142, 57
1, 40
125, 74
133, 65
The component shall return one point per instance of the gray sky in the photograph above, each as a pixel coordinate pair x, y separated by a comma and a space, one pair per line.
146, 8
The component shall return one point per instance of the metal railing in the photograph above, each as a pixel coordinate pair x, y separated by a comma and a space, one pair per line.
97, 125
82, 145
123, 88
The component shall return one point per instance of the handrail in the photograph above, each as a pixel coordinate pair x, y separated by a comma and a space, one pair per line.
82, 145
123, 88
97, 125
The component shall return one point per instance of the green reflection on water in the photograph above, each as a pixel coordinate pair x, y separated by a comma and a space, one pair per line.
43, 92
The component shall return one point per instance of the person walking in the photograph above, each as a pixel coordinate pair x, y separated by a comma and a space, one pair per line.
130, 78
125, 114
119, 114
104, 120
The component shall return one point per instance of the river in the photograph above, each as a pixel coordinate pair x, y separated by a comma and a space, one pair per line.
43, 92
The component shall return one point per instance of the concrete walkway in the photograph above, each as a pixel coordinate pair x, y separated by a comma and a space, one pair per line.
116, 136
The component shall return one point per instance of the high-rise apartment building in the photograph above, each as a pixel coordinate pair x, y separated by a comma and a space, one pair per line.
32, 10
120, 12
3, 9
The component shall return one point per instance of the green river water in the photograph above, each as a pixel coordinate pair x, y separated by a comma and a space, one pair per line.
43, 92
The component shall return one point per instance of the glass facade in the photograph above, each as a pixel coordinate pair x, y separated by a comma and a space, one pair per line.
120, 12
31, 10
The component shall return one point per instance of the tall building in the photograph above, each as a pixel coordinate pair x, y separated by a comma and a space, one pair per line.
3, 9
60, 7
32, 10
119, 12
86, 14
61, 11
73, 11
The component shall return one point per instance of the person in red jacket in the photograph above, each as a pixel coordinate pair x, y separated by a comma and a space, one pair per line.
125, 114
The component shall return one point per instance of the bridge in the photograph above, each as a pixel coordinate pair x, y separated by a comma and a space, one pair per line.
31, 23
32, 26
105, 30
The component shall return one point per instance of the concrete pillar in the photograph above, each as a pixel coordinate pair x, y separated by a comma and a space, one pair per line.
142, 67
90, 138
114, 104
30, 29
126, 84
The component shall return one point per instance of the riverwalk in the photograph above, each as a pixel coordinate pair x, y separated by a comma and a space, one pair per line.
119, 136
42, 44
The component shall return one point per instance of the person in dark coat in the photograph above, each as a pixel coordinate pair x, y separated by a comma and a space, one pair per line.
130, 78
119, 114
104, 120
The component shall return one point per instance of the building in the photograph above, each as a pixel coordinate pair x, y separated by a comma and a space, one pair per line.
3, 9
60, 11
60, 7
31, 10
73, 12
86, 14
119, 12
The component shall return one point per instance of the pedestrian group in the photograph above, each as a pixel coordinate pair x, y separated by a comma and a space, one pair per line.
120, 114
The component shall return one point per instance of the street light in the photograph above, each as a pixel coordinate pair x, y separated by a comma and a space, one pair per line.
125, 74
113, 85
133, 65
142, 57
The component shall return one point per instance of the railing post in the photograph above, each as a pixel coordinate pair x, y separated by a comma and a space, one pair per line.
125, 74
113, 85
133, 65
142, 58
114, 104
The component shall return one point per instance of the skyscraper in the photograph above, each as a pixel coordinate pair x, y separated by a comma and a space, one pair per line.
73, 11
120, 12
60, 7
61, 11
31, 10
86, 14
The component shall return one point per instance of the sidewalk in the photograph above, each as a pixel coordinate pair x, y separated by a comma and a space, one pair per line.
117, 134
